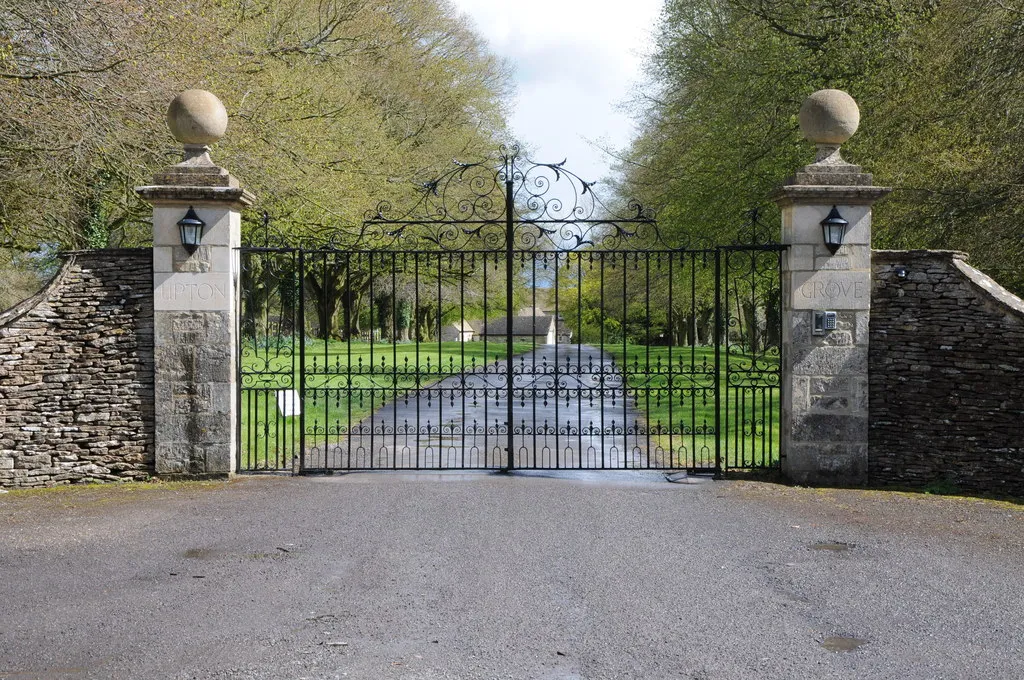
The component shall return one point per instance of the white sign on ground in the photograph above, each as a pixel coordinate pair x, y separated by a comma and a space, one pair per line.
288, 403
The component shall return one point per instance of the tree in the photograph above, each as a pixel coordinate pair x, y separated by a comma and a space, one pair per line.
335, 105
81, 103
940, 91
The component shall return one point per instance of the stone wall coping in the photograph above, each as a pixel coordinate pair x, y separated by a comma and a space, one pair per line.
987, 286
161, 194
9, 316
895, 255
981, 282
97, 252
821, 193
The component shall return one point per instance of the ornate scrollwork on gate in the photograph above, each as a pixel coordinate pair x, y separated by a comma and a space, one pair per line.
504, 202
756, 230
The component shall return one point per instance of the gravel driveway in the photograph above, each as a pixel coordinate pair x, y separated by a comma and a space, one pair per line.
484, 576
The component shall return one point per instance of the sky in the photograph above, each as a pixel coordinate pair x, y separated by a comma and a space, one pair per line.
577, 62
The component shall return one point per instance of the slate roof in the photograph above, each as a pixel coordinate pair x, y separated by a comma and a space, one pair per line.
521, 325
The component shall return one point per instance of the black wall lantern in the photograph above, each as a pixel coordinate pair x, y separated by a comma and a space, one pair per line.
833, 228
191, 228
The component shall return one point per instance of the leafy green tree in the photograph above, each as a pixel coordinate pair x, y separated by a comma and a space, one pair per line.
940, 90
335, 105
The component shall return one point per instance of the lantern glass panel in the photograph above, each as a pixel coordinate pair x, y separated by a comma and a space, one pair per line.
833, 230
190, 228
191, 234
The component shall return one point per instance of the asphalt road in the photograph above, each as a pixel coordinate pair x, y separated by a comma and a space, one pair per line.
485, 576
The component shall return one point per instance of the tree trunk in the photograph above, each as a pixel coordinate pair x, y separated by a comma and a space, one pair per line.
424, 323
752, 336
705, 326
254, 298
313, 290
773, 319
386, 317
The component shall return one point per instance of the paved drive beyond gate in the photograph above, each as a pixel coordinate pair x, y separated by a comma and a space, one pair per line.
510, 294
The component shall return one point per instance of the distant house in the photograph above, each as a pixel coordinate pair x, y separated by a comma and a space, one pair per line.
562, 331
563, 334
538, 328
460, 331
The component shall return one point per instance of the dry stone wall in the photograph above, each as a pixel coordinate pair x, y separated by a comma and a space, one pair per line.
946, 366
76, 374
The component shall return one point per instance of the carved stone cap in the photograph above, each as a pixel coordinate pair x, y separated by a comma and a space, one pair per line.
833, 194
829, 117
196, 118
194, 172
176, 194
831, 174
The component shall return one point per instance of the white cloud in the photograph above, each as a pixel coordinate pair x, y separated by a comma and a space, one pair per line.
576, 62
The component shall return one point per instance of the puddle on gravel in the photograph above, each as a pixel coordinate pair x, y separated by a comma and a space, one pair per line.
832, 547
843, 644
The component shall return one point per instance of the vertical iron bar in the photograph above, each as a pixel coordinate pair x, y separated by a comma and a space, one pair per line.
782, 349
462, 358
394, 355
302, 360
416, 336
285, 426
509, 242
440, 371
754, 341
742, 442
326, 387
600, 355
349, 381
647, 371
718, 362
625, 357
671, 341
693, 367
579, 354
371, 367
486, 360
554, 365
764, 424
238, 364
532, 380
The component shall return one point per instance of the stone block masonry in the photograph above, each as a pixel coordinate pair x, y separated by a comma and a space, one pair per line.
76, 374
946, 375
195, 298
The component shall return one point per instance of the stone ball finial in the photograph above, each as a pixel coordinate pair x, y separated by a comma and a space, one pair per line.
197, 117
829, 117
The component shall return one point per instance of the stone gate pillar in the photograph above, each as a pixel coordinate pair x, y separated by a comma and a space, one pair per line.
826, 303
195, 296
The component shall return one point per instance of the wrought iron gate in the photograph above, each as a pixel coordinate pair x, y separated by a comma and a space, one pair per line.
510, 320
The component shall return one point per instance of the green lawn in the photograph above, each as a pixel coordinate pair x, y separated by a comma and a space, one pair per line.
345, 382
685, 411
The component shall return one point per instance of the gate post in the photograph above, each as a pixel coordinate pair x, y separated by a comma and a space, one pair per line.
824, 426
195, 296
